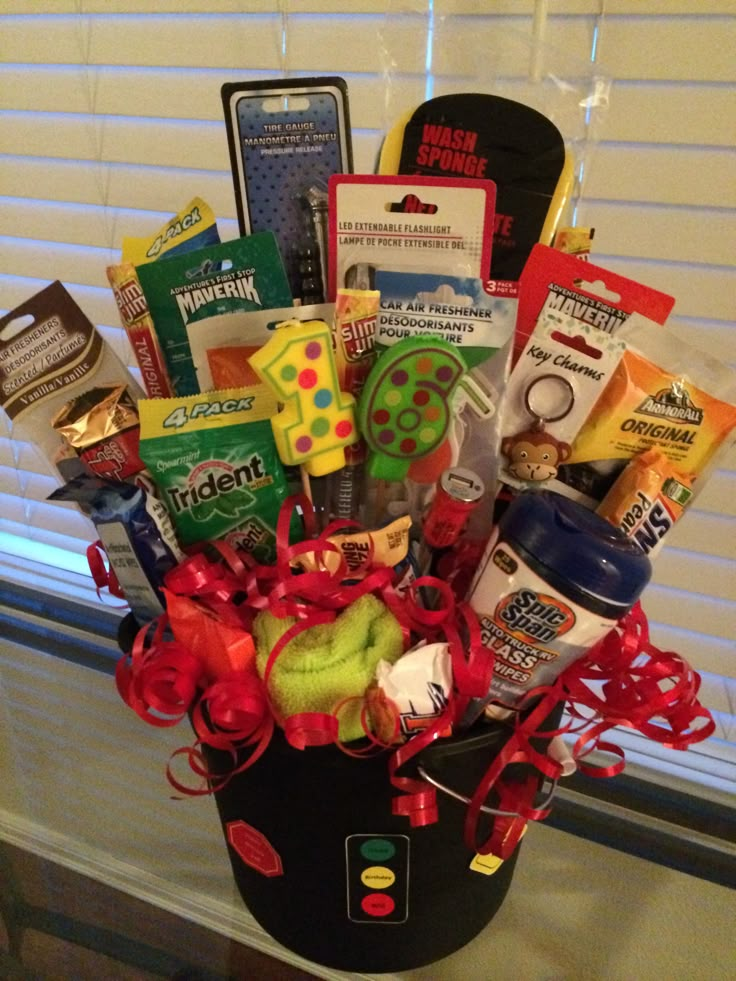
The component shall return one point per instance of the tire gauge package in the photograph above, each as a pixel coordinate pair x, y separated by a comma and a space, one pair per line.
289, 134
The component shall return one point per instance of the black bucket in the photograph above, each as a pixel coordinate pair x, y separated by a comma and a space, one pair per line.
329, 872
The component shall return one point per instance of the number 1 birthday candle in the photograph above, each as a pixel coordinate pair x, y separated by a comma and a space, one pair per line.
317, 421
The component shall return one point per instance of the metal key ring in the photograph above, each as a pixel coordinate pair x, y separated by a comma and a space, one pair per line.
486, 810
566, 385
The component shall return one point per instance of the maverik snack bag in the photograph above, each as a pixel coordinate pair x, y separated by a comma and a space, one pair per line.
237, 277
664, 394
103, 428
214, 460
647, 499
136, 534
50, 353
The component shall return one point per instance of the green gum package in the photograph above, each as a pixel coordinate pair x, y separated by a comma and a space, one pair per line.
214, 461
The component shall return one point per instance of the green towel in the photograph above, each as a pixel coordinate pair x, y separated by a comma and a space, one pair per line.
328, 662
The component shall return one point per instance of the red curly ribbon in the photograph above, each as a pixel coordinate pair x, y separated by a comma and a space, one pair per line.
159, 680
624, 681
638, 684
103, 574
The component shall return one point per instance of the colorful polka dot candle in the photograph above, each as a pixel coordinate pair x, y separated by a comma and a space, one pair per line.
317, 421
404, 410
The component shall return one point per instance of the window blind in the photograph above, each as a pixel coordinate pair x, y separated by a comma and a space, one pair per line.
112, 121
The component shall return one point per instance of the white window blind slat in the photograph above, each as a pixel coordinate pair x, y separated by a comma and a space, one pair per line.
685, 113
689, 609
661, 231
113, 121
179, 40
699, 290
93, 225
122, 185
673, 174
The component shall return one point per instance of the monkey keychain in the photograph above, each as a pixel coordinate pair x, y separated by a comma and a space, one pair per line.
535, 454
559, 377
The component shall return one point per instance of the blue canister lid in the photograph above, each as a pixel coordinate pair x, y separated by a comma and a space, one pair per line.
577, 551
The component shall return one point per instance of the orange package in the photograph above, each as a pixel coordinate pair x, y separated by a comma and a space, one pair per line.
664, 395
647, 499
223, 647
230, 367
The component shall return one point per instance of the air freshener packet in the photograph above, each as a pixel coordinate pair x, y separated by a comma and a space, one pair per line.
466, 313
240, 276
50, 353
214, 461
664, 394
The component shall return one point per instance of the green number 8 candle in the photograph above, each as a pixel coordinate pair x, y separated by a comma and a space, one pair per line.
318, 420
404, 411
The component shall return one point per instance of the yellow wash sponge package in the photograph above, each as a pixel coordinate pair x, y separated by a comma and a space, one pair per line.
664, 394
214, 460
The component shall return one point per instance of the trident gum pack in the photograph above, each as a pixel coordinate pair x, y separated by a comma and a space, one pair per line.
214, 461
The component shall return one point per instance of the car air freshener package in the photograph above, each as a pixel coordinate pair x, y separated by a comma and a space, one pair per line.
221, 345
214, 461
554, 280
478, 135
290, 134
102, 426
240, 276
665, 395
429, 224
50, 353
565, 366
466, 313
137, 536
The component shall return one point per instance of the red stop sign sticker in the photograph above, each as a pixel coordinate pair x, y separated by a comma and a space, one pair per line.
254, 848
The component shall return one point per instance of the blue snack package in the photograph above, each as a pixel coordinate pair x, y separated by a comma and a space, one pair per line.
136, 533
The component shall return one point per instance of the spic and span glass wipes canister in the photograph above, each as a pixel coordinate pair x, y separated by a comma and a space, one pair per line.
554, 580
